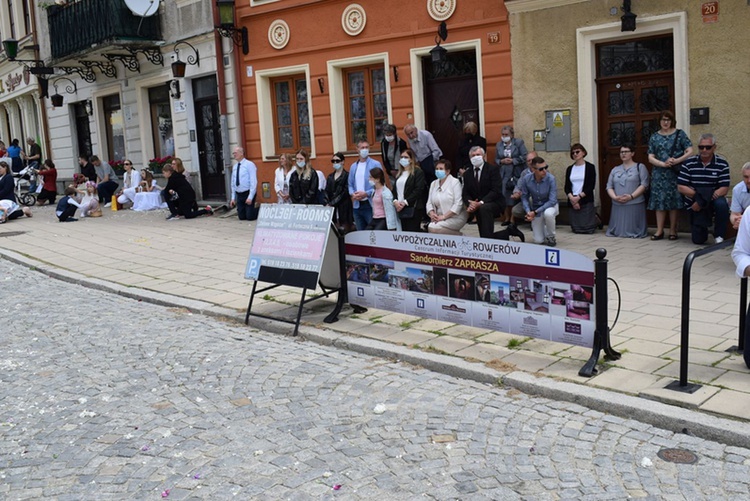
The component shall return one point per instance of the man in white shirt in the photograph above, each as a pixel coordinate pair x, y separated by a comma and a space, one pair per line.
741, 257
740, 197
360, 187
244, 182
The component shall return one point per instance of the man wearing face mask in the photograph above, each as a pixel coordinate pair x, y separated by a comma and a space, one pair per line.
423, 144
360, 187
471, 138
510, 155
481, 192
391, 148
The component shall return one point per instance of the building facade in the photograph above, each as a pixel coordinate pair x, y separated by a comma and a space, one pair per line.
120, 97
21, 110
572, 56
321, 74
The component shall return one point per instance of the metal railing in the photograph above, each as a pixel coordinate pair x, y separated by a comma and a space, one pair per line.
683, 385
79, 26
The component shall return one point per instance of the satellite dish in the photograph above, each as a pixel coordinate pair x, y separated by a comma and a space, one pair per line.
143, 8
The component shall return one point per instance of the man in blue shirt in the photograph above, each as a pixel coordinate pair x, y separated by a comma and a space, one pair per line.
423, 144
740, 197
244, 182
539, 198
704, 182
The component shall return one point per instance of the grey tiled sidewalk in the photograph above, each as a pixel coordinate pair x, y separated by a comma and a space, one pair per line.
204, 259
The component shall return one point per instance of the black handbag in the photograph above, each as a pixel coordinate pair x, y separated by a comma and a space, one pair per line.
675, 143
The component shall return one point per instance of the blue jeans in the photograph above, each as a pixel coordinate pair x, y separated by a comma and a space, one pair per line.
700, 221
362, 215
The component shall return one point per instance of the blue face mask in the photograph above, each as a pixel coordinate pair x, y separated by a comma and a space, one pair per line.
337, 166
440, 174
301, 165
404, 162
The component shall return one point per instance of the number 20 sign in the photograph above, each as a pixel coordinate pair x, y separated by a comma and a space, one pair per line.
710, 12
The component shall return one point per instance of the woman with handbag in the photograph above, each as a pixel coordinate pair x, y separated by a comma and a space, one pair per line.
409, 192
667, 149
626, 186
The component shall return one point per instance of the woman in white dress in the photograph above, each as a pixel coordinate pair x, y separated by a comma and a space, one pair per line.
445, 206
149, 195
131, 181
283, 173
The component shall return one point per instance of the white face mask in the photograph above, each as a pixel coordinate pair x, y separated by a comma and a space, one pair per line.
477, 161
364, 153
300, 165
404, 162
389, 138
506, 139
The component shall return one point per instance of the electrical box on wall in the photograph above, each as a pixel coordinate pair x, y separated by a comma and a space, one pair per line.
558, 130
540, 140
699, 116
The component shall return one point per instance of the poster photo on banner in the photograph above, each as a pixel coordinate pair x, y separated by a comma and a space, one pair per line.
523, 289
289, 244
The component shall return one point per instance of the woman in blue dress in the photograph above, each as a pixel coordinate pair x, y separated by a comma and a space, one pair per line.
667, 149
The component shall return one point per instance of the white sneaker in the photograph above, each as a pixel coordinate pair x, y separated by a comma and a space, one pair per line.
718, 240
108, 204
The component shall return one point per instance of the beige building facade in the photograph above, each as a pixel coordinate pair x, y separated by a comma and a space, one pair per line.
685, 55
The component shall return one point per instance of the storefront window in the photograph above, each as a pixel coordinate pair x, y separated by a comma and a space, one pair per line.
161, 121
113, 121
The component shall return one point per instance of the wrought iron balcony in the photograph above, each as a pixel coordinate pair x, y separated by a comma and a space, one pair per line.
83, 25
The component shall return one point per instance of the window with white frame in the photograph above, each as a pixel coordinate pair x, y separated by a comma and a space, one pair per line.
366, 104
291, 120
359, 96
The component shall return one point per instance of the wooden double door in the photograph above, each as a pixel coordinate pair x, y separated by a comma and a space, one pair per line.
629, 112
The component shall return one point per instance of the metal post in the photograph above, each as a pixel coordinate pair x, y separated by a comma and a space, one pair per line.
601, 333
743, 314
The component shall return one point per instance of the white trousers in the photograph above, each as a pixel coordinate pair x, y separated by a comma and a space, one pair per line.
543, 225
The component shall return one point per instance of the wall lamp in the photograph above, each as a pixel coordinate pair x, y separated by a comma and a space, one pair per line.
178, 67
438, 53
10, 46
57, 98
628, 18
227, 27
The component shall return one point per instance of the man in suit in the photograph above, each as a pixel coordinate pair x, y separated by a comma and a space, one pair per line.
482, 192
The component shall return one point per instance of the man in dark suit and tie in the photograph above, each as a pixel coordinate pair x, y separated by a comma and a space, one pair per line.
482, 192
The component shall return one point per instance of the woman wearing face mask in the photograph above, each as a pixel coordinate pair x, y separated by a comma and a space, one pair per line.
471, 138
337, 194
303, 183
510, 155
381, 199
445, 205
391, 148
409, 192
281, 177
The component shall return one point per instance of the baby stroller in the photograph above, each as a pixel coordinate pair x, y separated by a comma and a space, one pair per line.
23, 180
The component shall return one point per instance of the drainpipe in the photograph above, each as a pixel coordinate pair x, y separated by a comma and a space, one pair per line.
223, 102
42, 105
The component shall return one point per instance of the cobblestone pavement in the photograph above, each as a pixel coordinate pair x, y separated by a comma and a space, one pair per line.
108, 398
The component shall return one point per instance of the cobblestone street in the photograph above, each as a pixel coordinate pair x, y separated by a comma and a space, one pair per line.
109, 398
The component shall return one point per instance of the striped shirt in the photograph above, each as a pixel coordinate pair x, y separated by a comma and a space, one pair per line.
696, 175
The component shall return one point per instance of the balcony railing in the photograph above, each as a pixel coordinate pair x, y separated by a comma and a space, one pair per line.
79, 26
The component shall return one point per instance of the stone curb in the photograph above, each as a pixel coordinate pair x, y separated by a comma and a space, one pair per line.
676, 419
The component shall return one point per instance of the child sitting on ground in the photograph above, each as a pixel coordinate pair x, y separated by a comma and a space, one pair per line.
67, 206
10, 210
90, 201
